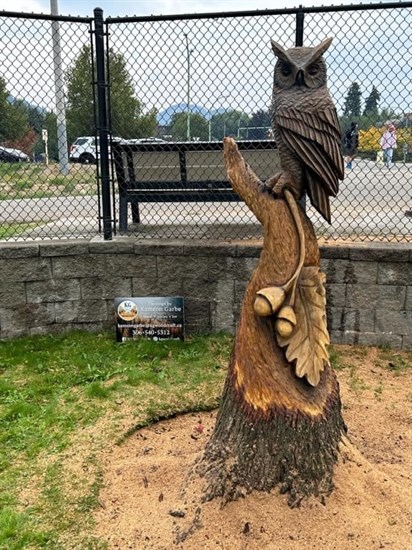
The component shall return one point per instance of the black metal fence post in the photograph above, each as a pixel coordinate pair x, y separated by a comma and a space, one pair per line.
300, 16
103, 130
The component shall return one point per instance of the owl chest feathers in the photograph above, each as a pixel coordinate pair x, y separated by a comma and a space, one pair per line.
300, 99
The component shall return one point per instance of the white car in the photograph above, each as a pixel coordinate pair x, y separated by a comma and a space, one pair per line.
85, 150
12, 155
144, 140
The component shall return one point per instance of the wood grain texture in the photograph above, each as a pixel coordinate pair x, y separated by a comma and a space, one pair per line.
273, 427
262, 373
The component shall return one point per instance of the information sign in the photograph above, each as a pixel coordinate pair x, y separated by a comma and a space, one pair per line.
157, 318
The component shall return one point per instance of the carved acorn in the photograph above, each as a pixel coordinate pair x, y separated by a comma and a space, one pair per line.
285, 322
269, 300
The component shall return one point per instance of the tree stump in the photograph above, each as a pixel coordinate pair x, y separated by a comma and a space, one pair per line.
279, 421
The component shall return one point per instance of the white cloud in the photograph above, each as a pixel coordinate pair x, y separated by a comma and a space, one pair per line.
27, 6
155, 7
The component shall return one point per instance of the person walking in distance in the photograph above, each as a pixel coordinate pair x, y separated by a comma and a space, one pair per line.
388, 144
350, 144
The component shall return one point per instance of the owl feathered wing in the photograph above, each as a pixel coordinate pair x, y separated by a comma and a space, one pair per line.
315, 138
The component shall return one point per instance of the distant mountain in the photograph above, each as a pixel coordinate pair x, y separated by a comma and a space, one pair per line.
11, 99
164, 117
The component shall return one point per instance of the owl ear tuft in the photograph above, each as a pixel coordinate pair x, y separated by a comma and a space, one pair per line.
279, 51
321, 48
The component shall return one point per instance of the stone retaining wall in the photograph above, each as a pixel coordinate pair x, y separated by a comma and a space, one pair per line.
53, 287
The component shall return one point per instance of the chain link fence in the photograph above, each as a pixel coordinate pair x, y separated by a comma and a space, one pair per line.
44, 194
176, 86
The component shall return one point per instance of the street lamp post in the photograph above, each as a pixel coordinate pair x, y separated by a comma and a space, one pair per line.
59, 91
188, 53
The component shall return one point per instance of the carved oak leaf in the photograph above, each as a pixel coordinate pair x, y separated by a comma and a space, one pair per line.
307, 345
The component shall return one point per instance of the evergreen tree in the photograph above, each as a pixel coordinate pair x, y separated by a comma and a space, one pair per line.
352, 106
260, 123
128, 120
80, 109
371, 105
13, 117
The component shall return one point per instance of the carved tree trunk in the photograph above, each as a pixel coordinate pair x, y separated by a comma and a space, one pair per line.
280, 419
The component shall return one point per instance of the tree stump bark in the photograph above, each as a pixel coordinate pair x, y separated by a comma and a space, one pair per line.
273, 426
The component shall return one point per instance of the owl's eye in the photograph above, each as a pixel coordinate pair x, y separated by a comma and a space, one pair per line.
313, 70
285, 70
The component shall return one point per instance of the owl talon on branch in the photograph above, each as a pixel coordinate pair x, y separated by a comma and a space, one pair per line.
271, 182
283, 180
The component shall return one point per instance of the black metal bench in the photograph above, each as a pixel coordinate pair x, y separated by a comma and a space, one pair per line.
182, 172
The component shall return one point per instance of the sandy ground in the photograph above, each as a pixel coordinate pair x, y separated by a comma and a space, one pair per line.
142, 505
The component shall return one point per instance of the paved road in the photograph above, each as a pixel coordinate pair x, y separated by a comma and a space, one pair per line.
371, 196
55, 208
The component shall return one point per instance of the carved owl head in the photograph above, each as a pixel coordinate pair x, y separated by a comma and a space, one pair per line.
300, 68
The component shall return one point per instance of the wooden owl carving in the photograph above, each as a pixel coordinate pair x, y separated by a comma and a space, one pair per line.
306, 125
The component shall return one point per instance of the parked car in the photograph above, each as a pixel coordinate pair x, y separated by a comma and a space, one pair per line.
145, 140
85, 149
12, 155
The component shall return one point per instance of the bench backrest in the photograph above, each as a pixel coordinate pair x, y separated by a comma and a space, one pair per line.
156, 166
187, 163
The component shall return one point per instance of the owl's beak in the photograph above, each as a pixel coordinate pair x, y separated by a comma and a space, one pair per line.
300, 78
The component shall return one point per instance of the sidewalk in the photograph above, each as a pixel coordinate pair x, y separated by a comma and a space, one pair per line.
372, 202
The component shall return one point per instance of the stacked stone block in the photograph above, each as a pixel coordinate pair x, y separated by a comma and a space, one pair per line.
54, 287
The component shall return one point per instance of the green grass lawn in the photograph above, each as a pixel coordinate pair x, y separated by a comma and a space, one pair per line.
54, 390
13, 229
28, 180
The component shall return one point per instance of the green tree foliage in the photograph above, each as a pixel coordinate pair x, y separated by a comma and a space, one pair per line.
50, 124
352, 107
228, 123
372, 103
199, 127
35, 116
80, 109
370, 122
260, 124
386, 115
38, 120
14, 122
128, 119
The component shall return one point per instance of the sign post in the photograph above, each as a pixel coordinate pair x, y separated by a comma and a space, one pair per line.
45, 138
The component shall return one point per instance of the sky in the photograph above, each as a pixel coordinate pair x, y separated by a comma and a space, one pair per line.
153, 7
372, 48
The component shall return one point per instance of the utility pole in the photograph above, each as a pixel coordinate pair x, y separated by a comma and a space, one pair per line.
62, 149
188, 52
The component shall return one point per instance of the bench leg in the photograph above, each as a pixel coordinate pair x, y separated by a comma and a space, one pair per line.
135, 212
122, 213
